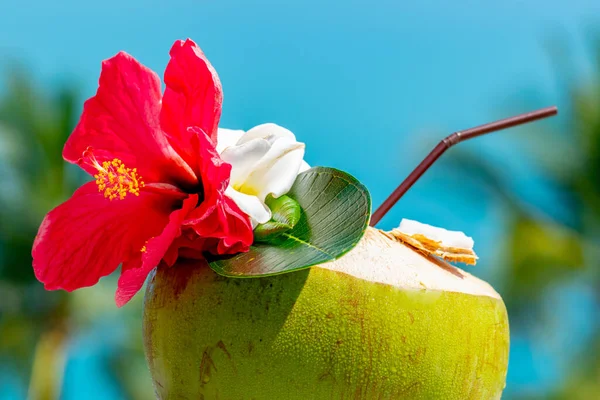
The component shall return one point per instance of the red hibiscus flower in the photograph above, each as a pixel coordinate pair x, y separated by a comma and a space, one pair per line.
159, 182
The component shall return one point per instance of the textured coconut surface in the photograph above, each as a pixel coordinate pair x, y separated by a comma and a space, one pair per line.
419, 270
351, 329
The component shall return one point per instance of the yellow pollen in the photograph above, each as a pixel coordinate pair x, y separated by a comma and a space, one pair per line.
143, 249
116, 180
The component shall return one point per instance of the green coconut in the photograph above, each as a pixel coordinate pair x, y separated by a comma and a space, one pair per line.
382, 322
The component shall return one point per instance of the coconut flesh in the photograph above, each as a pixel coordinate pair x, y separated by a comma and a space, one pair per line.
382, 322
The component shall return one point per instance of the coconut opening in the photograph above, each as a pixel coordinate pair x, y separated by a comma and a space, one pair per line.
380, 257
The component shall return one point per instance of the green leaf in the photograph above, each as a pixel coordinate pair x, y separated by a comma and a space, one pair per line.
285, 210
286, 213
269, 232
336, 209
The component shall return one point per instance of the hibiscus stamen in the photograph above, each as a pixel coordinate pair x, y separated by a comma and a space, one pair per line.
116, 180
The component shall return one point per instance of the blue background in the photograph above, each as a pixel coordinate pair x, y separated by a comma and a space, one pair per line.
369, 86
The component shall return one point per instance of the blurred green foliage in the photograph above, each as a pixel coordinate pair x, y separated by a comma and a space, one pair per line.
32, 128
542, 252
36, 326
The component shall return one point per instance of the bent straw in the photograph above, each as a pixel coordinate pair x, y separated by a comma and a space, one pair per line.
450, 141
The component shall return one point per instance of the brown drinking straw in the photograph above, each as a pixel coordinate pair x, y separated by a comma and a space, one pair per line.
450, 141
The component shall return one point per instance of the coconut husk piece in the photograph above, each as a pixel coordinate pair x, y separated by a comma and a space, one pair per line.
430, 246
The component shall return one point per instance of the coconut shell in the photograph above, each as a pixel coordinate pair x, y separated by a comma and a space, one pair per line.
382, 322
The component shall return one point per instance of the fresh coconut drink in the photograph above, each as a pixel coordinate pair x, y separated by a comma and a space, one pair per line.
266, 281
382, 322
390, 319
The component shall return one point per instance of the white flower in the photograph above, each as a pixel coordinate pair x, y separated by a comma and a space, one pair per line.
265, 161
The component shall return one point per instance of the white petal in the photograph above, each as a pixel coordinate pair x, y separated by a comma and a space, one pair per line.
258, 212
270, 132
276, 172
304, 166
447, 238
243, 158
227, 137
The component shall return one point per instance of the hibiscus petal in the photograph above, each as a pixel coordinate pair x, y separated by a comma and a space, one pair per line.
217, 217
88, 236
214, 172
270, 132
227, 137
188, 245
239, 229
276, 172
134, 273
244, 157
193, 97
122, 121
257, 210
